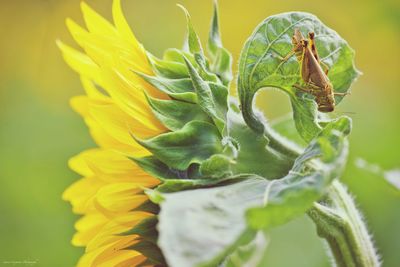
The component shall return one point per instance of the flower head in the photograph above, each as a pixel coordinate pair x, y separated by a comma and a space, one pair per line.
110, 195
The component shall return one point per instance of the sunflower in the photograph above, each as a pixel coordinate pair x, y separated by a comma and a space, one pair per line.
110, 196
183, 175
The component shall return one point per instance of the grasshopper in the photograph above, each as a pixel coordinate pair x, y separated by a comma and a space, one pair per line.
315, 78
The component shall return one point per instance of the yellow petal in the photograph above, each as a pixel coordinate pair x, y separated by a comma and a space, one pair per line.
111, 166
96, 23
88, 227
123, 258
81, 193
91, 89
79, 164
111, 231
117, 123
80, 104
76, 31
129, 96
122, 25
120, 197
105, 253
106, 141
111, 138
80, 62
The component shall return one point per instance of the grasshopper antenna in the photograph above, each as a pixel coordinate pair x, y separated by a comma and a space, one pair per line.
346, 112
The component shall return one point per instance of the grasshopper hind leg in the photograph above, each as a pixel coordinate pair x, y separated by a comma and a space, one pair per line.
306, 90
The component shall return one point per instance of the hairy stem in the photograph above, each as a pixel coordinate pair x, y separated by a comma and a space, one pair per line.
340, 224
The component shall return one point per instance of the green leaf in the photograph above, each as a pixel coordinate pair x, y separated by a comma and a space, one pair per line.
261, 66
174, 114
194, 143
219, 219
292, 195
206, 98
216, 166
249, 255
254, 153
284, 126
221, 59
208, 215
177, 185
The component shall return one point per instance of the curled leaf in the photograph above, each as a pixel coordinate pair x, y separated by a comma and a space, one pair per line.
261, 66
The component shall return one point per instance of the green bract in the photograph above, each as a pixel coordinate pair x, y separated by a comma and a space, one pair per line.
227, 176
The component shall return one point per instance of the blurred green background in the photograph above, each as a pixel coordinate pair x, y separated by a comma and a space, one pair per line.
39, 132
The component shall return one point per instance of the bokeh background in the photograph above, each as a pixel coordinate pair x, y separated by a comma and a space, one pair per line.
39, 132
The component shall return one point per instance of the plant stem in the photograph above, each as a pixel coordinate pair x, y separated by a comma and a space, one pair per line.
339, 222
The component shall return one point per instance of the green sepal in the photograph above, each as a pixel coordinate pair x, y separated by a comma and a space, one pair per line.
168, 69
206, 98
160, 170
150, 250
174, 54
146, 229
181, 89
194, 143
154, 195
151, 263
221, 59
203, 70
193, 41
220, 96
148, 206
174, 114
197, 60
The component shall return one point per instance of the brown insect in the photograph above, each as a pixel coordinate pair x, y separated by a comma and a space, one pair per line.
316, 80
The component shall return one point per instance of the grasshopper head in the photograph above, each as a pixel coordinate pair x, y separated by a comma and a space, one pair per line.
296, 41
304, 43
297, 36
